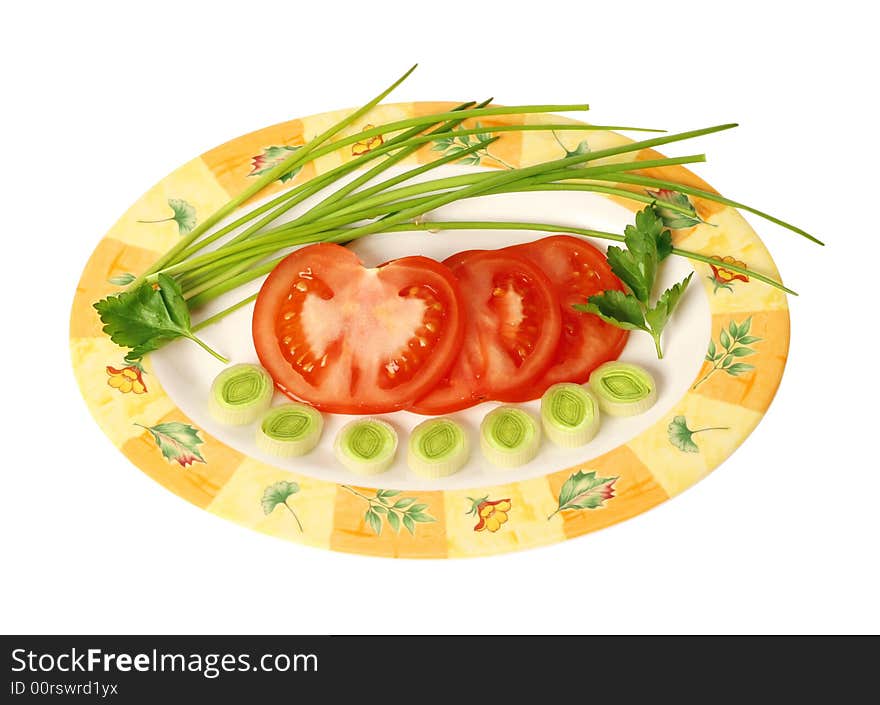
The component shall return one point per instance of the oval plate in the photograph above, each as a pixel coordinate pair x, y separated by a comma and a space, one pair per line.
709, 402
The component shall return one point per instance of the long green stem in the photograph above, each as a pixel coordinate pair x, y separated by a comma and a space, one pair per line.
339, 209
285, 236
427, 120
406, 144
292, 235
709, 196
358, 208
551, 227
561, 166
222, 314
196, 280
462, 225
495, 180
267, 240
276, 172
299, 193
232, 283
371, 174
540, 183
205, 346
296, 194
368, 205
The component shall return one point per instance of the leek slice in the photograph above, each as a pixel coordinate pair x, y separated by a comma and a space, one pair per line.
437, 448
290, 430
240, 394
569, 414
509, 437
623, 389
366, 446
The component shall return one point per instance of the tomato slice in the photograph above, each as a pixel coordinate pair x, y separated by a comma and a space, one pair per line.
578, 270
512, 330
353, 340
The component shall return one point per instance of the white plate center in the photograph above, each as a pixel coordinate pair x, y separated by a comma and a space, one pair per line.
186, 371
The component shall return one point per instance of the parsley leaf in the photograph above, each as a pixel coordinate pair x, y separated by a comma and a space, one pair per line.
648, 243
618, 309
148, 317
629, 271
658, 316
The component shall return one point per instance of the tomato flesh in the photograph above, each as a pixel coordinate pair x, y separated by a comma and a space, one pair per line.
349, 339
512, 330
578, 270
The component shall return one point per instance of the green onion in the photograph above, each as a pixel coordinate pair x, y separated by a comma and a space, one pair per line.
240, 394
364, 206
509, 437
569, 415
297, 158
623, 389
437, 448
366, 446
289, 430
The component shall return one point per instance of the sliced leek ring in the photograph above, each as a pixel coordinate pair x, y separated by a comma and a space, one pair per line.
623, 389
240, 394
289, 430
509, 437
569, 414
366, 446
437, 448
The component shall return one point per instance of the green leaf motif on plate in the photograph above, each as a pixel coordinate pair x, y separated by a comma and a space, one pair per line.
177, 441
375, 521
404, 511
583, 147
277, 494
675, 220
585, 490
733, 343
123, 279
682, 437
183, 214
271, 157
454, 142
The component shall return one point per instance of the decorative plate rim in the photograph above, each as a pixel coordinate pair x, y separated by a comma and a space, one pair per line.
726, 400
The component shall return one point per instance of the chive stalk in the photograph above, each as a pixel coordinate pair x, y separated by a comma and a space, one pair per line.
297, 158
362, 207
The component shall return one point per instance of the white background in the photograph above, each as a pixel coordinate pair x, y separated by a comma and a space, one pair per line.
102, 99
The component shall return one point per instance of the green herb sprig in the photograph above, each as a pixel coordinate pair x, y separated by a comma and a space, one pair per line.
648, 243
146, 318
154, 307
